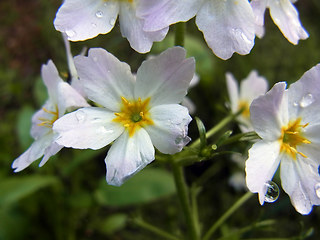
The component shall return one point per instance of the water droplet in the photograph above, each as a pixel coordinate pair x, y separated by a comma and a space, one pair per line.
105, 130
81, 116
317, 188
306, 100
93, 25
239, 34
295, 104
70, 33
112, 21
99, 14
272, 192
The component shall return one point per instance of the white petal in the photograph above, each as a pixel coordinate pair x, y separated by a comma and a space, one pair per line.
285, 16
34, 152
159, 14
228, 26
51, 79
127, 156
233, 92
53, 149
187, 102
170, 128
268, 113
165, 78
261, 165
105, 79
258, 8
82, 20
299, 179
132, 28
87, 128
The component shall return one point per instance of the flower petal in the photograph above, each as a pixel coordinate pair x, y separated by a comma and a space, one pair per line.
87, 128
159, 14
300, 179
51, 79
105, 79
170, 128
34, 152
53, 149
285, 16
259, 8
261, 165
82, 20
165, 78
228, 26
269, 112
233, 92
127, 156
132, 28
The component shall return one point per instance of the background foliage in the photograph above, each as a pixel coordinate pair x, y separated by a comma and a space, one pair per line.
68, 198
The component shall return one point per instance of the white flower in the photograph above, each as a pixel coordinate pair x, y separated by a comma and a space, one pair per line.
250, 88
84, 19
61, 97
288, 121
137, 113
284, 15
227, 25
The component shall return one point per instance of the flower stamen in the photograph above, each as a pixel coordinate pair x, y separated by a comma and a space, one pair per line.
45, 122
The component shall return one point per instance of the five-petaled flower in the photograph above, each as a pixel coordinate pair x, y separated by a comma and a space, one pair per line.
138, 111
250, 88
288, 121
83, 19
61, 98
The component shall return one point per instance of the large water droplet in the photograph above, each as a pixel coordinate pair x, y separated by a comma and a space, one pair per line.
317, 188
70, 33
306, 100
272, 192
99, 14
112, 21
81, 116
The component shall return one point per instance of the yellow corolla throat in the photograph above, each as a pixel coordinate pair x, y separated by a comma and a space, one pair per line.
291, 137
45, 122
245, 106
134, 114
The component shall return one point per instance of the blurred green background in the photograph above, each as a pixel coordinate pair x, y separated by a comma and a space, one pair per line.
68, 198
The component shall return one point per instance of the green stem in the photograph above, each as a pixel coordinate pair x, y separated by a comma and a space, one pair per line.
154, 229
227, 214
180, 30
183, 194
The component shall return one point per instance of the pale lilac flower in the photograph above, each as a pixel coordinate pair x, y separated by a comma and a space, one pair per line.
284, 15
227, 25
137, 113
61, 97
82, 19
288, 121
250, 88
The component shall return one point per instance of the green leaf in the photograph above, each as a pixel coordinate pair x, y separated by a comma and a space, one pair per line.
15, 188
148, 185
24, 126
113, 223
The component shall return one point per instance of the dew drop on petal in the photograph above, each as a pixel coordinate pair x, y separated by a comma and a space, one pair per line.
93, 25
295, 104
105, 130
112, 21
70, 33
306, 100
317, 188
81, 116
272, 192
99, 14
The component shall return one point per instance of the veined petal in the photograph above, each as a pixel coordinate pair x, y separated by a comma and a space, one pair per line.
34, 152
105, 79
233, 92
165, 78
159, 14
228, 26
170, 128
82, 20
269, 112
132, 28
261, 165
300, 179
128, 155
285, 16
87, 128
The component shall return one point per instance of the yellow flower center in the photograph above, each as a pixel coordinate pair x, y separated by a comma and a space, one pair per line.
245, 106
291, 137
134, 114
45, 122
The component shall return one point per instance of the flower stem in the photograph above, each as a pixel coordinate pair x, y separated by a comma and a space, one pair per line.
183, 194
227, 214
180, 30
